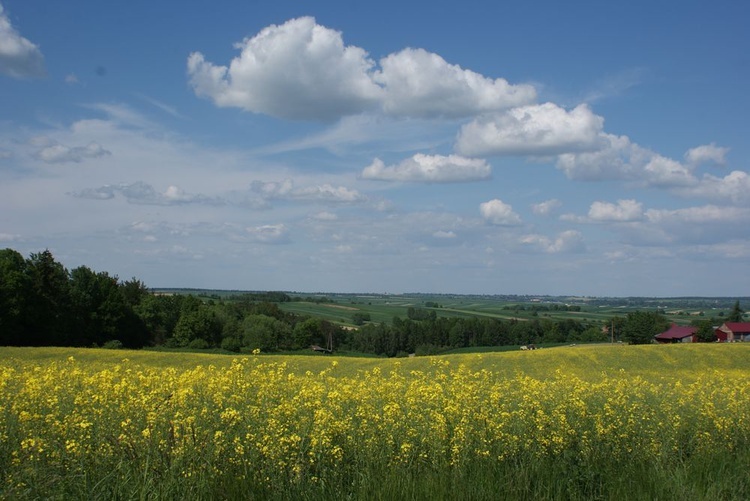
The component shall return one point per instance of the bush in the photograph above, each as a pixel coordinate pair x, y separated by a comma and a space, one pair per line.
198, 344
231, 344
114, 344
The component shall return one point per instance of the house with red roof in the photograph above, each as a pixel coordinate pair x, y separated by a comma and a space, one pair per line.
678, 334
733, 331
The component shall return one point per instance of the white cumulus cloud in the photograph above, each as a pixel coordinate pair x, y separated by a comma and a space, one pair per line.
430, 169
734, 187
540, 129
498, 212
621, 212
297, 70
19, 57
422, 84
302, 70
566, 242
707, 154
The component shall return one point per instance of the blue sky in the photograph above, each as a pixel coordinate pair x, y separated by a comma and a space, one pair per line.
586, 148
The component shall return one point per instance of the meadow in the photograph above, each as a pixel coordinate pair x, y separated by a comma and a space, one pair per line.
578, 422
339, 308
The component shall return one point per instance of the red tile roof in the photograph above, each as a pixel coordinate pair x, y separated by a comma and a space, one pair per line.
677, 332
738, 327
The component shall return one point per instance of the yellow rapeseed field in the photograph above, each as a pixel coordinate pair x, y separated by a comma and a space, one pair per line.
118, 423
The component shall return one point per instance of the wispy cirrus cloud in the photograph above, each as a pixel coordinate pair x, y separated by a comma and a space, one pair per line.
143, 193
58, 153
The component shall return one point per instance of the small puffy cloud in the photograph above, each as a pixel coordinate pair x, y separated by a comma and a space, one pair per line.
707, 154
442, 234
57, 153
430, 169
19, 57
546, 208
569, 241
71, 79
498, 212
622, 212
269, 233
302, 70
540, 129
297, 70
422, 84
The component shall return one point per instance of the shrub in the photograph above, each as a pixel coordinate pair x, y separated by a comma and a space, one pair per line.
198, 344
231, 344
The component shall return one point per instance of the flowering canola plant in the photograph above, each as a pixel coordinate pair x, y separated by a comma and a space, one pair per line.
268, 422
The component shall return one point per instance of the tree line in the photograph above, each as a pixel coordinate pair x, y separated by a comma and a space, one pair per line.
44, 304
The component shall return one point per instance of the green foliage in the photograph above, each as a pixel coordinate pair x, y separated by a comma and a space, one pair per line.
231, 344
199, 324
15, 290
420, 314
706, 332
307, 333
360, 318
113, 344
264, 332
641, 326
736, 314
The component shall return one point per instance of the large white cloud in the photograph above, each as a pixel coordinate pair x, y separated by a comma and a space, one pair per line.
430, 169
19, 57
498, 212
302, 70
621, 159
540, 129
422, 84
296, 70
